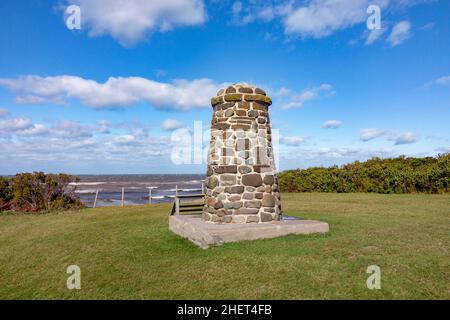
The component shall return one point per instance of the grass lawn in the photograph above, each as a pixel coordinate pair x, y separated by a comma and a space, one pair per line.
129, 253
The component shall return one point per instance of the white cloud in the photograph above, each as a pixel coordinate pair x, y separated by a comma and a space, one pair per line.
404, 138
72, 142
392, 135
103, 126
400, 32
116, 92
125, 139
374, 35
332, 124
71, 129
291, 100
4, 112
371, 133
266, 13
34, 131
21, 127
292, 141
24, 127
254, 11
131, 21
171, 124
321, 18
15, 124
442, 81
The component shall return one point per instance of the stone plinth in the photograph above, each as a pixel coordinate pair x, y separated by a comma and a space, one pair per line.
242, 185
204, 235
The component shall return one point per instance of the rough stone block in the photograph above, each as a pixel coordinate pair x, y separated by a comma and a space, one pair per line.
233, 97
225, 169
252, 179
268, 200
269, 179
234, 189
253, 204
227, 180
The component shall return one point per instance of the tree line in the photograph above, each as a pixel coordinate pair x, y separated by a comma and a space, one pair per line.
392, 175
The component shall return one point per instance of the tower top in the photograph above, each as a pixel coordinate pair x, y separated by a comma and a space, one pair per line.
241, 92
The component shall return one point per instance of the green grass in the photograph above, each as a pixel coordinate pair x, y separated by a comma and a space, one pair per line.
129, 252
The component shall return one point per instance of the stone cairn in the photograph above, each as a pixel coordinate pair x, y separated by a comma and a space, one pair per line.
242, 185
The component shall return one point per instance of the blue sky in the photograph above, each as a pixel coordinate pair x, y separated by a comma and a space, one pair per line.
107, 98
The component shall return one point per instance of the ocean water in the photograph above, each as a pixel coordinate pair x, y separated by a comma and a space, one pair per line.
136, 188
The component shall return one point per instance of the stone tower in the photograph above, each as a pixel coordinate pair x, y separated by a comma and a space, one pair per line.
242, 185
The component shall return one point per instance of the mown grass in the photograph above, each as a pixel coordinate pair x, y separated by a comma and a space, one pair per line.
129, 253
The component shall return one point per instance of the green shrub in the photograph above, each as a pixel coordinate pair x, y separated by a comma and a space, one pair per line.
5, 194
393, 175
35, 192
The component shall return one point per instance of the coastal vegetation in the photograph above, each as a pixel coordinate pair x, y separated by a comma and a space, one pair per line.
38, 192
392, 175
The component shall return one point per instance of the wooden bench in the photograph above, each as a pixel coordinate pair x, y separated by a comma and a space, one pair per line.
191, 208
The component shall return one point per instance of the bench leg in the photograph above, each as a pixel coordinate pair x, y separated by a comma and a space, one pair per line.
177, 206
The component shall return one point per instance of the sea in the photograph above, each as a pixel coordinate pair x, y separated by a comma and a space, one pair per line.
136, 187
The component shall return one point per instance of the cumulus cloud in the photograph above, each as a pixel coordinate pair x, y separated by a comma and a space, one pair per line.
393, 135
404, 138
321, 18
15, 124
21, 127
132, 21
171, 124
24, 127
292, 141
22, 141
126, 139
371, 133
332, 124
71, 129
34, 131
291, 100
116, 92
254, 11
400, 32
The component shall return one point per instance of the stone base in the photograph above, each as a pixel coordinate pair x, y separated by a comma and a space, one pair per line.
206, 234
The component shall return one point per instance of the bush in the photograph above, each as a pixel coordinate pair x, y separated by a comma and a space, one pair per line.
394, 175
35, 192
5, 194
